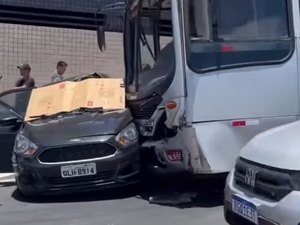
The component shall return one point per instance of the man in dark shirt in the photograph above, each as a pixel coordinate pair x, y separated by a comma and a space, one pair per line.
25, 80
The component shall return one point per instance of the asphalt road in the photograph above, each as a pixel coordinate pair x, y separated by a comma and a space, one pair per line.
127, 206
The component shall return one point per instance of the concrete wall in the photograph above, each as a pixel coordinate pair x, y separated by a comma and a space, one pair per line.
42, 47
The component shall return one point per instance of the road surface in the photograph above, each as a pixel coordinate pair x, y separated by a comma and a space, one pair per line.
128, 206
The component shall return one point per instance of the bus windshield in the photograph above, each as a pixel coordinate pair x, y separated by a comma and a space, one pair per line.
147, 32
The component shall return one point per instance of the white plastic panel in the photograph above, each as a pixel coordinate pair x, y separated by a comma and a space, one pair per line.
221, 143
250, 92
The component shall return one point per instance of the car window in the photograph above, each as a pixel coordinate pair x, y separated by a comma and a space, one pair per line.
5, 112
18, 100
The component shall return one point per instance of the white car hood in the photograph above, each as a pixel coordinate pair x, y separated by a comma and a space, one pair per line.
278, 147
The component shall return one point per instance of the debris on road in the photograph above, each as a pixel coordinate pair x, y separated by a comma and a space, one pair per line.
175, 198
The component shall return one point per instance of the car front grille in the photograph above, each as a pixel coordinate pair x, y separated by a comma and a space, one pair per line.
267, 182
76, 153
100, 177
142, 114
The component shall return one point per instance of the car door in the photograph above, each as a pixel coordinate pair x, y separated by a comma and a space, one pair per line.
13, 105
17, 99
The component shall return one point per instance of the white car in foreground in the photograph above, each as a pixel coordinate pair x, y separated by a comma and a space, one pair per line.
264, 187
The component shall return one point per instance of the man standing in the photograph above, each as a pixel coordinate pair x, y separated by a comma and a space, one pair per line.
60, 70
25, 80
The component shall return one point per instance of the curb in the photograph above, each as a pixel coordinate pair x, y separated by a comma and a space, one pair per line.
7, 178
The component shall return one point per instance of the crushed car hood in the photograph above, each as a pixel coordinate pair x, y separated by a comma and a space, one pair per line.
278, 147
48, 132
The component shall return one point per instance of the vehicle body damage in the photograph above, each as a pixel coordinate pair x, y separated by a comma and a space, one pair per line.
195, 78
76, 151
196, 82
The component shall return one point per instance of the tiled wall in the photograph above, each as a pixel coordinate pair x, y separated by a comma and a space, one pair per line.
42, 47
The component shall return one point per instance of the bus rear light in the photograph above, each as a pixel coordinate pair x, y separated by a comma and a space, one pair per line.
174, 155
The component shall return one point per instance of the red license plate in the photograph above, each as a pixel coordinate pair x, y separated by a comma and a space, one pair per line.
174, 155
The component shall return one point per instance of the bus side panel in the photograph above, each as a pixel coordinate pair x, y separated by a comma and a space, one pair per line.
250, 92
221, 142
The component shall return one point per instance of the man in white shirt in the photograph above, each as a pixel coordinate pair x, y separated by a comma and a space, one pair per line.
60, 70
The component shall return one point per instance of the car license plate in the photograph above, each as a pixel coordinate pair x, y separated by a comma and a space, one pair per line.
245, 209
78, 170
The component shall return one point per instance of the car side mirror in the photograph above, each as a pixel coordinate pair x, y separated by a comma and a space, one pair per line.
10, 121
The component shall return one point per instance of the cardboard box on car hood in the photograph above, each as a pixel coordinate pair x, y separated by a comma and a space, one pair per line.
106, 94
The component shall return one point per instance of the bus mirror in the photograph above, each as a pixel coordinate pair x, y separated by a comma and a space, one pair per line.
101, 38
134, 8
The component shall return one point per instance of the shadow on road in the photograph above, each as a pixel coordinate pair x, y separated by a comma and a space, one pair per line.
206, 193
104, 195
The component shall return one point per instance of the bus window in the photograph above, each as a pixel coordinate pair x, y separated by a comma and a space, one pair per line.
234, 33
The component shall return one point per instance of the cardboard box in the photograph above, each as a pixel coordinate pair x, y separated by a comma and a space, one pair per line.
102, 94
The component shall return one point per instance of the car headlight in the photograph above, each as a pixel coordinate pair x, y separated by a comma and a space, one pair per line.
127, 135
24, 146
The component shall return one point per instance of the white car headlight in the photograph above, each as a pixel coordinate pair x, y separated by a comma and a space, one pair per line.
24, 146
127, 135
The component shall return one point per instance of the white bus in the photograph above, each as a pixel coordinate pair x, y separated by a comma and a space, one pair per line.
205, 76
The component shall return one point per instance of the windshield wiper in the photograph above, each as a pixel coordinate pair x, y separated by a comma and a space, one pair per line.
96, 110
80, 111
55, 116
43, 117
146, 43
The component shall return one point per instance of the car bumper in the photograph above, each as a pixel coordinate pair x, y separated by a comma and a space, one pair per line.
284, 212
35, 178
